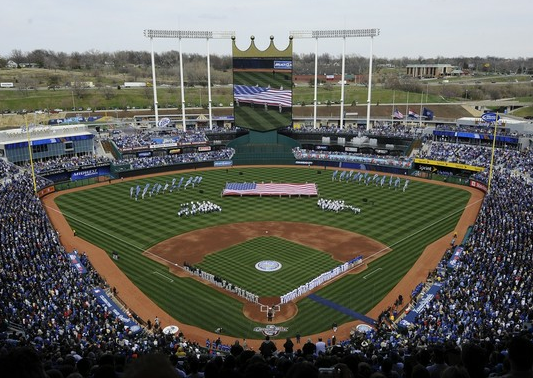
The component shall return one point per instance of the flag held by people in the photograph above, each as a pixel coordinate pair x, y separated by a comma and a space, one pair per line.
269, 189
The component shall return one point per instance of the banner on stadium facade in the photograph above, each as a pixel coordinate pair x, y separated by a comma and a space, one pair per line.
484, 136
110, 305
75, 262
421, 304
85, 174
479, 185
449, 165
89, 173
457, 253
223, 163
45, 191
163, 145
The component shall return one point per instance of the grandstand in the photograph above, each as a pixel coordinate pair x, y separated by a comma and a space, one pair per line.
483, 301
70, 307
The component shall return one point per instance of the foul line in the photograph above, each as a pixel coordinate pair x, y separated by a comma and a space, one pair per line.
419, 231
96, 228
111, 235
371, 273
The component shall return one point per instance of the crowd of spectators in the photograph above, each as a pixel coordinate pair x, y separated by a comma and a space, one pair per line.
156, 136
42, 167
7, 170
478, 129
305, 154
516, 161
398, 130
156, 161
49, 302
478, 325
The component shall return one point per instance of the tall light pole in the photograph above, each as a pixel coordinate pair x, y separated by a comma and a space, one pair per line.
156, 105
369, 98
187, 34
356, 33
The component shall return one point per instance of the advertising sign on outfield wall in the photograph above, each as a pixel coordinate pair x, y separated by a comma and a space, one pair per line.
223, 163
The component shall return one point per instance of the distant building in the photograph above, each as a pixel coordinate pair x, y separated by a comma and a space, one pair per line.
429, 70
28, 65
47, 142
11, 64
82, 84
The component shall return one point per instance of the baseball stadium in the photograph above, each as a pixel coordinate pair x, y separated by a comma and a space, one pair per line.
269, 240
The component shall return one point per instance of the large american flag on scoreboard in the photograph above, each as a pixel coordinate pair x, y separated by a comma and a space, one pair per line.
268, 189
262, 95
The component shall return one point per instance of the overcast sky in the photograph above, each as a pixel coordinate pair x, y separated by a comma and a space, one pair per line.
409, 28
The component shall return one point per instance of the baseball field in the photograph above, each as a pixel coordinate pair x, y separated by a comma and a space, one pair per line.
153, 242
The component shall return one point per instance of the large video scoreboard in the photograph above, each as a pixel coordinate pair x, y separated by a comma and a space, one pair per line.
262, 87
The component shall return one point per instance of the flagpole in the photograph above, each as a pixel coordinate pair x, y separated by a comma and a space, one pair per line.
31, 155
392, 112
407, 109
343, 63
369, 99
315, 99
420, 114
492, 154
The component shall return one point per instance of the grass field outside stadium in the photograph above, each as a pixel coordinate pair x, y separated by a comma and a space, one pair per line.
407, 222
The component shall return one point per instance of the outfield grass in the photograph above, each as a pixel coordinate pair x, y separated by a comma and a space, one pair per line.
406, 222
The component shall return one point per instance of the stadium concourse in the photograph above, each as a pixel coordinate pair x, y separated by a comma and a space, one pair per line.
478, 324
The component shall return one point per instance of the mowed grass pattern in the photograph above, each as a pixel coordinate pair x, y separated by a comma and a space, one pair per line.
407, 222
300, 264
256, 118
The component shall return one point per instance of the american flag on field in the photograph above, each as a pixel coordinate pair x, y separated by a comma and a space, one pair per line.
262, 95
269, 189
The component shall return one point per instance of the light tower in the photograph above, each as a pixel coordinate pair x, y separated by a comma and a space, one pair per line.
356, 33
186, 34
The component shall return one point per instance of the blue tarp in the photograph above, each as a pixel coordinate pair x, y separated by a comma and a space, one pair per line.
422, 304
106, 301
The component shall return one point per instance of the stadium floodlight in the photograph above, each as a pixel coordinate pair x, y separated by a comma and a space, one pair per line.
342, 33
186, 34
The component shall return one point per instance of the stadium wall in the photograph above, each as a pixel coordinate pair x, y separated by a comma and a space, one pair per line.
164, 168
263, 148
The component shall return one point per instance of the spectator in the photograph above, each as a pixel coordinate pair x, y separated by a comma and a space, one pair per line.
267, 348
